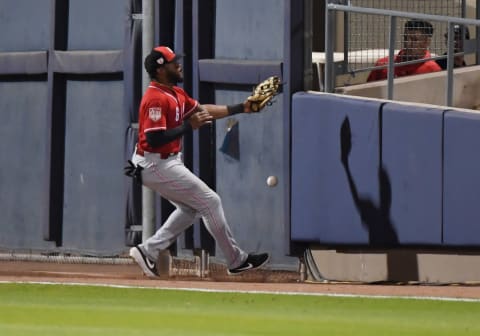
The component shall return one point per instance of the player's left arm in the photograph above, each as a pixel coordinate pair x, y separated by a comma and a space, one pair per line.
222, 111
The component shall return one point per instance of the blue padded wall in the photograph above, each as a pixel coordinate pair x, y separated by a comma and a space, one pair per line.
247, 49
97, 24
252, 207
25, 26
323, 209
24, 156
412, 157
94, 196
461, 212
245, 34
88, 201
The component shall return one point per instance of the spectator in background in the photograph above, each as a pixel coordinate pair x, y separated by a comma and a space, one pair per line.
417, 36
460, 33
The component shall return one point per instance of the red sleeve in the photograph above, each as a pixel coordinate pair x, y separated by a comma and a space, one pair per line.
430, 66
190, 106
154, 116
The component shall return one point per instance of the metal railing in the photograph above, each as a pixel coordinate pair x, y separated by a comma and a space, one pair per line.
330, 13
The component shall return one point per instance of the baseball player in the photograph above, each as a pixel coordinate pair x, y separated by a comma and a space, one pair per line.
166, 113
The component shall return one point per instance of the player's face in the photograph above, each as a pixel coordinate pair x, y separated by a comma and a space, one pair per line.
174, 72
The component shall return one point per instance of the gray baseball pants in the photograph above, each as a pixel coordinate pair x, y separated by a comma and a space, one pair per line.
192, 198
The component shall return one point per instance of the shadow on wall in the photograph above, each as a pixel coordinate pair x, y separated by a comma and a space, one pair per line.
376, 218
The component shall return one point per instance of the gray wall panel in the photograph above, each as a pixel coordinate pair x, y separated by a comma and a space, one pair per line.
25, 25
251, 207
257, 220
24, 161
237, 71
243, 33
412, 157
461, 178
97, 24
94, 203
23, 62
87, 62
323, 203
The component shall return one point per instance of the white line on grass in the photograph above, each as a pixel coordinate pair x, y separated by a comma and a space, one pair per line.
433, 298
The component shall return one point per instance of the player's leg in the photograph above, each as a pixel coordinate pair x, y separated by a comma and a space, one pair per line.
146, 254
175, 182
179, 220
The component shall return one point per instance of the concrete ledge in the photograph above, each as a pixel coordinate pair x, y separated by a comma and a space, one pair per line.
399, 265
427, 88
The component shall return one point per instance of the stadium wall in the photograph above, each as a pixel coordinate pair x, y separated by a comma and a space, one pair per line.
377, 180
70, 85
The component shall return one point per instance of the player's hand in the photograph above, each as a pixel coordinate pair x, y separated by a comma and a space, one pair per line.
247, 106
200, 118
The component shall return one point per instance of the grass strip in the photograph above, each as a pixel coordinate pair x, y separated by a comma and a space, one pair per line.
36, 309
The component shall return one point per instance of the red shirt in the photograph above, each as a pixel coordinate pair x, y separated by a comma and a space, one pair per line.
403, 70
162, 108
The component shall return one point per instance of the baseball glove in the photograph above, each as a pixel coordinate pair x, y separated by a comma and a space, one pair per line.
263, 93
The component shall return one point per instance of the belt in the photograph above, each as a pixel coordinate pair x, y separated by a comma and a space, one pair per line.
167, 155
163, 156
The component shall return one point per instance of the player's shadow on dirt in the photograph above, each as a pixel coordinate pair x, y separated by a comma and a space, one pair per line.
401, 266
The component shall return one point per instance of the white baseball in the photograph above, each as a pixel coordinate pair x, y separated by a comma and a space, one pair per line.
272, 181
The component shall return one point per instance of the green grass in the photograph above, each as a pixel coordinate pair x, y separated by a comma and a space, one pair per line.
51, 310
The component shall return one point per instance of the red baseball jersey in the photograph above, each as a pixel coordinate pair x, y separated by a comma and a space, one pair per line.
404, 70
163, 108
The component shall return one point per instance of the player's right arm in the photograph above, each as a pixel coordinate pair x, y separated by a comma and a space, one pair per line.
161, 136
